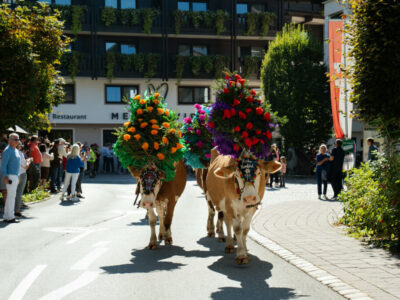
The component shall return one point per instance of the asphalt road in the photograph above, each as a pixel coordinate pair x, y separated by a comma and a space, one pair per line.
96, 249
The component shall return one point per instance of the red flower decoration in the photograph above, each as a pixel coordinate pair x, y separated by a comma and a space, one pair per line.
241, 96
236, 147
259, 111
242, 115
245, 134
227, 114
269, 135
249, 126
235, 102
233, 112
258, 132
248, 110
250, 99
226, 90
242, 81
262, 142
211, 124
255, 141
232, 83
248, 142
237, 129
237, 76
253, 92
227, 77
267, 116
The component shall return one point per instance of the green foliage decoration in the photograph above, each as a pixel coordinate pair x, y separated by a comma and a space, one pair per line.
109, 16
251, 65
294, 82
110, 65
139, 62
31, 46
197, 18
221, 17
178, 20
179, 68
73, 65
152, 136
220, 63
374, 40
148, 16
152, 63
372, 202
208, 63
77, 17
252, 23
208, 18
267, 19
196, 64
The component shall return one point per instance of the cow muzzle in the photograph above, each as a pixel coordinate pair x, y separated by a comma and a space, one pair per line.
147, 204
250, 200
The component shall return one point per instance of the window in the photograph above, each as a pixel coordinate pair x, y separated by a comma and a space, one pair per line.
257, 8
241, 8
200, 50
191, 95
109, 137
187, 50
116, 93
199, 6
128, 4
69, 90
184, 50
257, 51
183, 5
128, 49
111, 47
111, 3
194, 6
63, 2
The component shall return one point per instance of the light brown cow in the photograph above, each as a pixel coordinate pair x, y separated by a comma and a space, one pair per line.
162, 196
201, 175
236, 190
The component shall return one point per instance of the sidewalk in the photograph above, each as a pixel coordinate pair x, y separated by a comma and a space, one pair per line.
294, 219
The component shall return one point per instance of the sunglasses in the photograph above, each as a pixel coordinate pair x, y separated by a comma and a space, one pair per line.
16, 140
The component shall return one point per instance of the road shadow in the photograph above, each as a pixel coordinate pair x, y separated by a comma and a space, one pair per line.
143, 222
69, 202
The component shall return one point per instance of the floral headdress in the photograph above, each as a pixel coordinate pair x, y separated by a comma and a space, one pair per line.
197, 138
239, 120
151, 137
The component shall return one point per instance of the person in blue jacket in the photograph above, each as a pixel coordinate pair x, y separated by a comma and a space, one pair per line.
322, 170
72, 169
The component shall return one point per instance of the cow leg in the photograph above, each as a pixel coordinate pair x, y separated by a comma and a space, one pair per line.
220, 227
152, 221
241, 255
168, 219
160, 211
210, 220
246, 228
229, 248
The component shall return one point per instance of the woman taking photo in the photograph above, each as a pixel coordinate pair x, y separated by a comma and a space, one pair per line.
322, 170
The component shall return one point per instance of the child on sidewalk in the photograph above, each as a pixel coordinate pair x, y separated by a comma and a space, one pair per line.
283, 171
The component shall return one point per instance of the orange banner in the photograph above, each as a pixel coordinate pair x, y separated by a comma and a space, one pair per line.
335, 59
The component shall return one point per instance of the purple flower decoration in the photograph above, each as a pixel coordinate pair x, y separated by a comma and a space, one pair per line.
202, 112
190, 129
198, 132
208, 155
200, 144
198, 106
202, 117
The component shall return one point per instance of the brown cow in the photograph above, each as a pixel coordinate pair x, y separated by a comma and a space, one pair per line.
236, 189
160, 195
201, 175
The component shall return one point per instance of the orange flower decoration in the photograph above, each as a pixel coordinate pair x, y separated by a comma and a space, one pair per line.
153, 121
179, 133
143, 125
126, 124
156, 145
127, 137
160, 111
139, 111
166, 112
165, 140
140, 120
173, 150
132, 129
160, 156
156, 102
156, 95
172, 131
155, 126
154, 132
165, 124
150, 109
179, 146
137, 136
142, 101
137, 97
145, 146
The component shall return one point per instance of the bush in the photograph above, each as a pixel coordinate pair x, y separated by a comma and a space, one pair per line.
372, 202
37, 194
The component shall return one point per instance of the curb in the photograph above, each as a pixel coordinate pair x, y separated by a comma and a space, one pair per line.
319, 274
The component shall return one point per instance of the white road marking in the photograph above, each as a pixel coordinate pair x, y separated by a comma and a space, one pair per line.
26, 283
101, 244
82, 235
73, 286
85, 262
65, 229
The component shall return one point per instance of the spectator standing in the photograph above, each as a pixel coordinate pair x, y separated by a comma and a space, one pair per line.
3, 187
72, 170
372, 150
104, 152
283, 172
322, 170
23, 177
62, 154
35, 152
10, 163
275, 157
92, 161
98, 155
81, 172
55, 168
45, 165
336, 168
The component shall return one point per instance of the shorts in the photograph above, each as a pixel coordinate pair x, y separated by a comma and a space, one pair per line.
45, 171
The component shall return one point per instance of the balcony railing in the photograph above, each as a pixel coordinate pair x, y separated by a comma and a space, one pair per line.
75, 64
257, 24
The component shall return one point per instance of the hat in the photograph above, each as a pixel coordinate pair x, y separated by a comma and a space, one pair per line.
61, 140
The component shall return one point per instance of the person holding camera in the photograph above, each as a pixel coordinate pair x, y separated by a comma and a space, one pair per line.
10, 164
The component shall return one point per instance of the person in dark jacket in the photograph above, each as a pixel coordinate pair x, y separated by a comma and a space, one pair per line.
322, 171
372, 150
55, 169
336, 168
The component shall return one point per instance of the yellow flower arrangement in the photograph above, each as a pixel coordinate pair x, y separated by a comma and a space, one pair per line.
179, 146
156, 102
173, 150
172, 130
160, 111
165, 140
139, 111
153, 121
142, 101
166, 112
165, 125
137, 97
156, 95
126, 124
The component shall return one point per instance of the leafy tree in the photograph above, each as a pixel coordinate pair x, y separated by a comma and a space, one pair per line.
374, 40
294, 82
31, 45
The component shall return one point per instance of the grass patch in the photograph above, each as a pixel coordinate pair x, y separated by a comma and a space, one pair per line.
38, 194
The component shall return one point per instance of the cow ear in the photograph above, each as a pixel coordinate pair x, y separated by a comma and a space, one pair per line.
271, 167
134, 172
224, 173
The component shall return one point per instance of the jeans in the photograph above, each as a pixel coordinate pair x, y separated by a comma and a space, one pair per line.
282, 179
70, 178
40, 169
20, 191
320, 182
10, 202
54, 178
337, 184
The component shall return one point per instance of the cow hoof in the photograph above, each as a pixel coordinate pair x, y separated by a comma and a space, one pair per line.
242, 260
168, 241
234, 238
160, 237
221, 240
211, 234
152, 246
229, 249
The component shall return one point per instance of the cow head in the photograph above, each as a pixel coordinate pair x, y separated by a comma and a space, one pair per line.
247, 172
149, 181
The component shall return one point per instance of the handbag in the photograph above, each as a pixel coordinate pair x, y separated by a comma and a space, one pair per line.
324, 175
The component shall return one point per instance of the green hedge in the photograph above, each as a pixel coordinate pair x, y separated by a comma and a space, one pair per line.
372, 202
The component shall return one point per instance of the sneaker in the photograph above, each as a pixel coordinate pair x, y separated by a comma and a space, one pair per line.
325, 197
62, 197
319, 197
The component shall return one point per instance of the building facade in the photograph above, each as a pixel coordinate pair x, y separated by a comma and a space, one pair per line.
126, 47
